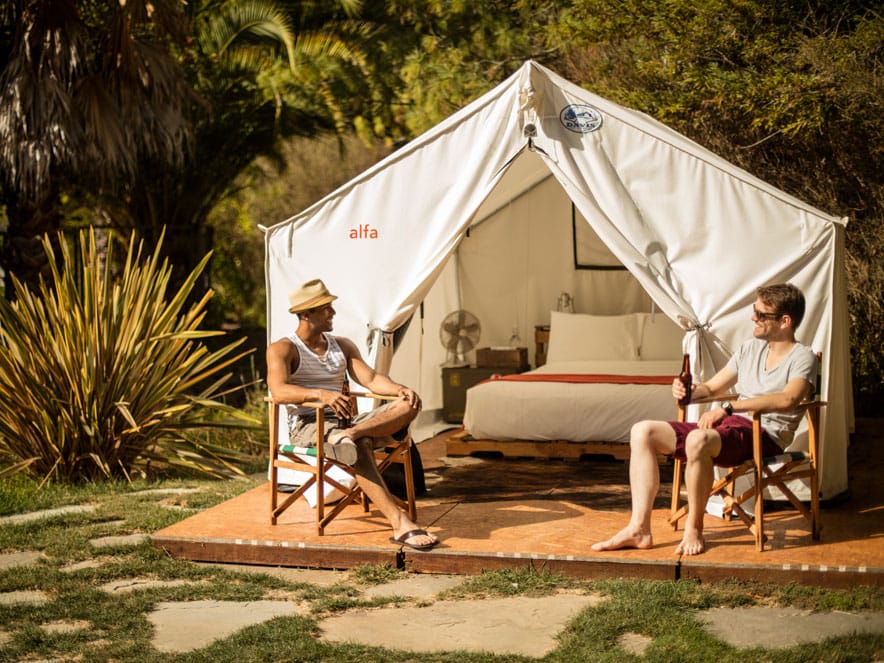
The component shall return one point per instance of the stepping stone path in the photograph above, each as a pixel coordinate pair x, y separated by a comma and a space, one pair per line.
517, 625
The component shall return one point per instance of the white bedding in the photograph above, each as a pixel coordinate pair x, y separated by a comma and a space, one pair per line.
503, 410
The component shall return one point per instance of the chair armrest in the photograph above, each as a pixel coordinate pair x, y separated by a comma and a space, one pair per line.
712, 399
800, 407
314, 404
803, 406
377, 397
318, 405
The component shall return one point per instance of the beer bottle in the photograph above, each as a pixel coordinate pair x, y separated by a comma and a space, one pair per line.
345, 421
686, 380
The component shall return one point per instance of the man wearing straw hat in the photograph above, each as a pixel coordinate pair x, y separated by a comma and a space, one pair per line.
311, 365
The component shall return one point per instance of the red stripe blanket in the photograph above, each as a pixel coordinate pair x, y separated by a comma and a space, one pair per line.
581, 378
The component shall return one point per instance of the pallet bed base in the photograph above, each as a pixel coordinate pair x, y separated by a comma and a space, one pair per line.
463, 444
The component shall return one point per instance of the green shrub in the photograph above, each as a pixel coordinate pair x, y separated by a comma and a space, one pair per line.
104, 376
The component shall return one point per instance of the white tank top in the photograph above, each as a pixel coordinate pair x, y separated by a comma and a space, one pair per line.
317, 372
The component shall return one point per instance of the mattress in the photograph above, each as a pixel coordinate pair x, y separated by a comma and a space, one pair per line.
574, 411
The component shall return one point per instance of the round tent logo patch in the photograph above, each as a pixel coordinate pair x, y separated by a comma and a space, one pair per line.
580, 118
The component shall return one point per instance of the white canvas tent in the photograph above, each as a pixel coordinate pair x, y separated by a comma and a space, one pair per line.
476, 214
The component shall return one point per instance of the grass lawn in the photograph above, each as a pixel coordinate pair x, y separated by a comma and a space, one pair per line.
114, 627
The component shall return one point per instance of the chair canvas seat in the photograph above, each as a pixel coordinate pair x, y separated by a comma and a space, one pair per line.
799, 487
297, 478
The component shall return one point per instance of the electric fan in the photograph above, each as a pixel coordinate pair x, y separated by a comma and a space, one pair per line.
459, 334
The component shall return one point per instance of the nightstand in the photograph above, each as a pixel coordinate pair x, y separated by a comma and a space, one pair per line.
455, 382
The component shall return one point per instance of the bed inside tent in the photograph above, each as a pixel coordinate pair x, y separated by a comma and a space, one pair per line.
610, 356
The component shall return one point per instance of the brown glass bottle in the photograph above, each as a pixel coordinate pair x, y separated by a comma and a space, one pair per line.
686, 379
346, 421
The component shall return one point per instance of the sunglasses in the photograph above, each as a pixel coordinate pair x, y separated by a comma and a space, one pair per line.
761, 315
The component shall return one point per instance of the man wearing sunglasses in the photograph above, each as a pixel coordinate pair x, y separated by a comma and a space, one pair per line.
772, 371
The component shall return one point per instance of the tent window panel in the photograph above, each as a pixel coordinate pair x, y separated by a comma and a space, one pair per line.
589, 251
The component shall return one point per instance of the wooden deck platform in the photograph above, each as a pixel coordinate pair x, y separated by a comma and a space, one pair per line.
503, 513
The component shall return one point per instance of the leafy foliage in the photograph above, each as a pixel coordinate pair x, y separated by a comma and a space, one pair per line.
106, 377
790, 91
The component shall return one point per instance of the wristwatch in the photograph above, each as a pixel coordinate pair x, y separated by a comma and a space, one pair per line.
728, 407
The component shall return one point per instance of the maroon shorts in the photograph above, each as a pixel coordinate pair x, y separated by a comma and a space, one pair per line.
736, 440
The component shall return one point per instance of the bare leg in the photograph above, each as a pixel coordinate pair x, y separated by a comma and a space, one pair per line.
341, 444
386, 422
647, 438
701, 446
373, 485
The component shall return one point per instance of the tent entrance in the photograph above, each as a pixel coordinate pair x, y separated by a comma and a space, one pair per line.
510, 270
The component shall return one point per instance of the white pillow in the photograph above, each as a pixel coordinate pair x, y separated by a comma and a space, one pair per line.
661, 338
581, 337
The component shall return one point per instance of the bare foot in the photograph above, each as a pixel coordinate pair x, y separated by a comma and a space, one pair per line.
626, 538
692, 543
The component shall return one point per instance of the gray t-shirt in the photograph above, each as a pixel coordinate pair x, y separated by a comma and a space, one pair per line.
753, 379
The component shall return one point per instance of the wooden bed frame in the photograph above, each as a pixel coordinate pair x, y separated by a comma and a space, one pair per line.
463, 444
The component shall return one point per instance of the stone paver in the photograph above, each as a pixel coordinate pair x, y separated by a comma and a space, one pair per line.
22, 558
784, 627
417, 586
122, 540
318, 577
518, 625
184, 626
166, 491
46, 513
80, 566
127, 585
635, 643
24, 597
62, 626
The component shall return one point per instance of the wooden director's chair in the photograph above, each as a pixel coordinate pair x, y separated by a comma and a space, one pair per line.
388, 451
770, 471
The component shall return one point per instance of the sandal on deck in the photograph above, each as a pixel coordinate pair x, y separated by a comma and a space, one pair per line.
403, 540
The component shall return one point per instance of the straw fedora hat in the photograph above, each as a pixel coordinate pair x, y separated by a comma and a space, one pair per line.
309, 295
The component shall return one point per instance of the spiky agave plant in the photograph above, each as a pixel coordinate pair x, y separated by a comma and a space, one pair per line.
104, 376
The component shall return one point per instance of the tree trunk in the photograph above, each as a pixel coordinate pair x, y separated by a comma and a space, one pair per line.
22, 252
